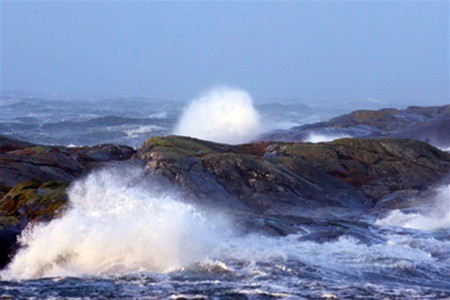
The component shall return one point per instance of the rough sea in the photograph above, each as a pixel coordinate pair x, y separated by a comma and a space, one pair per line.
138, 243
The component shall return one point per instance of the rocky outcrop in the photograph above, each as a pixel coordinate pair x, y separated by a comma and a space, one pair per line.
24, 167
265, 176
33, 182
20, 161
377, 167
27, 202
428, 124
33, 201
218, 174
272, 175
272, 186
8, 144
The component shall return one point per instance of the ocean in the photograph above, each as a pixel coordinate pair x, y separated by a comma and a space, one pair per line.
122, 239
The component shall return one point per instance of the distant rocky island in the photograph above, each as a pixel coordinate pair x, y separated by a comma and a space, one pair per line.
390, 162
428, 124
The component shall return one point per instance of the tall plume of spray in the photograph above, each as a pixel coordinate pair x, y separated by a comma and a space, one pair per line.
222, 115
117, 224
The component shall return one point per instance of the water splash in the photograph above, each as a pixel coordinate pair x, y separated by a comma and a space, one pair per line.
221, 115
322, 137
115, 225
433, 217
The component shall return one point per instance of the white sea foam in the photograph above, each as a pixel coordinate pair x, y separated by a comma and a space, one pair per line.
158, 115
345, 253
116, 225
436, 216
319, 137
222, 115
142, 129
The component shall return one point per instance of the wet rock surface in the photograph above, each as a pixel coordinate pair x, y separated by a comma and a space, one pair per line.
33, 182
286, 178
351, 173
20, 161
27, 202
275, 187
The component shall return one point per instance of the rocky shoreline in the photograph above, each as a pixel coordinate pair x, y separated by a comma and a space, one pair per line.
268, 185
265, 184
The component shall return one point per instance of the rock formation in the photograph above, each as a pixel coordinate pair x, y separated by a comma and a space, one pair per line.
428, 124
268, 185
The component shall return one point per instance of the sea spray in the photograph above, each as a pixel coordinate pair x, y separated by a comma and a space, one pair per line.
117, 225
221, 115
322, 137
344, 253
436, 215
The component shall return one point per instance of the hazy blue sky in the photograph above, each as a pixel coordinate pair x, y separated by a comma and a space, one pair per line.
317, 51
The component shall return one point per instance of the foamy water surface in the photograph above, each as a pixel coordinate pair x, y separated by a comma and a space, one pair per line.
125, 238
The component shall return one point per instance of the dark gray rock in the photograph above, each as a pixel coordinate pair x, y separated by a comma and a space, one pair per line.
428, 124
20, 161
352, 173
273, 187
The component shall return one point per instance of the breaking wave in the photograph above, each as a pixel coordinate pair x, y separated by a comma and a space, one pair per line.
433, 217
119, 227
221, 115
115, 225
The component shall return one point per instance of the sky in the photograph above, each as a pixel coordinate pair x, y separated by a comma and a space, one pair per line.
320, 52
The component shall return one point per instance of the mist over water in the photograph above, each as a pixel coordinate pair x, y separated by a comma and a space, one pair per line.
223, 115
